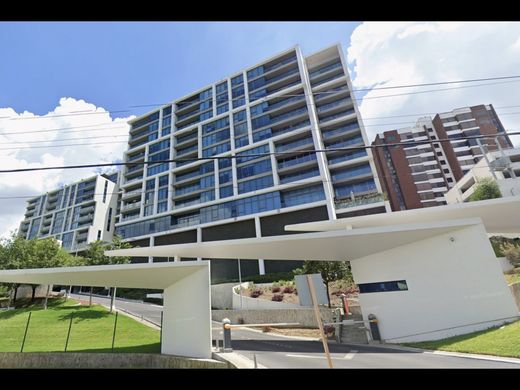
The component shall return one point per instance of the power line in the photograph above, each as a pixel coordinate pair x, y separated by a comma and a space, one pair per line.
311, 180
64, 145
244, 155
85, 112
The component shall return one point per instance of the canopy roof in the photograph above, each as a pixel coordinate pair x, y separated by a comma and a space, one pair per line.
498, 215
155, 275
333, 245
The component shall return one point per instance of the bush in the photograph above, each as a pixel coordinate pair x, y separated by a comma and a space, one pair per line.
288, 290
276, 289
256, 293
277, 298
512, 253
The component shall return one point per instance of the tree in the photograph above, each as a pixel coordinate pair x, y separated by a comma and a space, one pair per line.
15, 254
95, 255
329, 270
46, 253
485, 188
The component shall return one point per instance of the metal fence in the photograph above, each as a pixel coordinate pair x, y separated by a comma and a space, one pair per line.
82, 330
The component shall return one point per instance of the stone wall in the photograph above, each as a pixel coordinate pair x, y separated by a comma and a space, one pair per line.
305, 317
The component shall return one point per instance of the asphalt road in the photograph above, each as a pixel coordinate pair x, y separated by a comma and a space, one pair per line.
273, 351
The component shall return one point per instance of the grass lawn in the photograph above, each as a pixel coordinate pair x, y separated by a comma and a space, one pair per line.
503, 341
92, 330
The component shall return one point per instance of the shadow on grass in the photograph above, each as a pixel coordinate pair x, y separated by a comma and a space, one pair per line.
83, 313
144, 348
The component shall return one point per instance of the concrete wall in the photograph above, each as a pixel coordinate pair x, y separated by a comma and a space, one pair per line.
455, 286
221, 296
101, 360
305, 317
505, 264
247, 303
515, 290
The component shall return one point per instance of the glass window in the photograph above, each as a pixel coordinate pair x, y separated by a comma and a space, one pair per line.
255, 184
163, 181
225, 177
226, 191
239, 116
222, 87
394, 285
242, 141
150, 184
162, 207
222, 109
237, 80
224, 163
303, 195
253, 169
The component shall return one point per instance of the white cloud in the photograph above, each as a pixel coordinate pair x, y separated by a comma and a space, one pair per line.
389, 53
77, 119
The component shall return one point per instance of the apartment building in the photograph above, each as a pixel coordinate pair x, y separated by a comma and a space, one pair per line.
270, 117
419, 175
503, 167
75, 214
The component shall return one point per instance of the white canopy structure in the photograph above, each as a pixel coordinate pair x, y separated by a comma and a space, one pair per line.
186, 311
450, 280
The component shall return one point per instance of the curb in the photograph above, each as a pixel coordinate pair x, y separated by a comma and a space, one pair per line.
235, 359
448, 353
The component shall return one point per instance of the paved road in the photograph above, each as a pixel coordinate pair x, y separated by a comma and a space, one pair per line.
274, 351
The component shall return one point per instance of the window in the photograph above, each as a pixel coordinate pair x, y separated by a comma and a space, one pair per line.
391, 138
105, 191
394, 285
439, 153
109, 219
442, 161
446, 170
450, 180
226, 191
98, 235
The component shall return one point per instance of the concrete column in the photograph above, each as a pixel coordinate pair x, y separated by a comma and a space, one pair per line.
199, 239
258, 230
187, 322
152, 243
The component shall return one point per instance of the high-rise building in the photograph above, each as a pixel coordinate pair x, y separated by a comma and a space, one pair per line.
75, 214
419, 175
271, 116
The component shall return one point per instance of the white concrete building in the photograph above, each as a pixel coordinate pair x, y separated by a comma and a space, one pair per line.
76, 214
502, 166
288, 104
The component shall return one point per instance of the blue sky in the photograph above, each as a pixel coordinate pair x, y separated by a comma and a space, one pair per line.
120, 64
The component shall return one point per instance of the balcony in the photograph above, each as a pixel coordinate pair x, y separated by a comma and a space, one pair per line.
269, 69
133, 179
86, 210
29, 214
136, 168
336, 116
132, 194
131, 206
327, 80
330, 106
314, 74
187, 151
360, 200
296, 145
136, 157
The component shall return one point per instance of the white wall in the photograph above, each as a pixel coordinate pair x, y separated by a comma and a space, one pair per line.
450, 284
505, 265
187, 314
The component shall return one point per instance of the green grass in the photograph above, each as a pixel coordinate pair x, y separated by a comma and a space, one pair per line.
92, 330
502, 341
512, 278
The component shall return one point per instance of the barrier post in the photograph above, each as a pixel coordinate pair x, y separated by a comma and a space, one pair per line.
226, 336
26, 329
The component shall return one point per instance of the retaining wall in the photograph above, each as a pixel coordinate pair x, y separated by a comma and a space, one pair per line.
102, 360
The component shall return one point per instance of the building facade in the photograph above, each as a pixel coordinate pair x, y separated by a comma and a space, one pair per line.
76, 214
270, 117
419, 175
503, 167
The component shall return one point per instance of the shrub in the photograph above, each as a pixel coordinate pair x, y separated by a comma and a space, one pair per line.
275, 289
328, 329
512, 253
256, 293
288, 290
277, 298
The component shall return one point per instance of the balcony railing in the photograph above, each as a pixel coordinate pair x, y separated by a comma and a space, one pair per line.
360, 200
325, 69
132, 193
131, 206
328, 106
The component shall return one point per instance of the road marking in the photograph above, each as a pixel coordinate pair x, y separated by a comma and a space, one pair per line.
350, 355
305, 356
